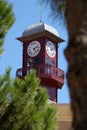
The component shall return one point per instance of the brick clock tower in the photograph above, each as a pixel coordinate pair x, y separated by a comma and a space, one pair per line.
40, 52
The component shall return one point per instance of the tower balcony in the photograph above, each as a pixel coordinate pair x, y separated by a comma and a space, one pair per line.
50, 75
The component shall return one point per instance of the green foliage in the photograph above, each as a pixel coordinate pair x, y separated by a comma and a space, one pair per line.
58, 7
24, 104
6, 20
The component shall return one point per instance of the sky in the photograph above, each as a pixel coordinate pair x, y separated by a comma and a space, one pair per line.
28, 13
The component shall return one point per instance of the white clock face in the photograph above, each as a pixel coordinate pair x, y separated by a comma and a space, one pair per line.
33, 48
50, 49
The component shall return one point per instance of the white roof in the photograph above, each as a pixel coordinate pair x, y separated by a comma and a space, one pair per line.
51, 102
39, 27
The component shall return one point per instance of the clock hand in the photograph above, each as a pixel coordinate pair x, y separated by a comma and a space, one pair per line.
35, 49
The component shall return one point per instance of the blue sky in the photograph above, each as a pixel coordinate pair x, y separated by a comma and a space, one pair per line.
28, 13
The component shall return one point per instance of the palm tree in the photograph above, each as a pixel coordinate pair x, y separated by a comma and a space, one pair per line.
75, 13
6, 20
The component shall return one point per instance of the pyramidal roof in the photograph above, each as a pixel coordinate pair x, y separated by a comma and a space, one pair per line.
39, 27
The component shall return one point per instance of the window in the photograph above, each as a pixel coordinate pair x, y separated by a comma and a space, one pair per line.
47, 60
53, 62
29, 62
37, 60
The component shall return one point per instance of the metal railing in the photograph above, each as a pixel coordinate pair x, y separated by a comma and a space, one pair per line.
43, 71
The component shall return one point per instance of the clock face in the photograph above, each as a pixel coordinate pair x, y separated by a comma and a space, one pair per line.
50, 49
33, 48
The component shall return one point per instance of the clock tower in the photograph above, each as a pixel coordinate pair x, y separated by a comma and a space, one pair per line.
40, 52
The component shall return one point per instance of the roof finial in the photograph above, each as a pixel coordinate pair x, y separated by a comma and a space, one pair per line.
40, 10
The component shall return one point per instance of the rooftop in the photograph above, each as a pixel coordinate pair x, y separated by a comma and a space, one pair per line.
39, 30
39, 27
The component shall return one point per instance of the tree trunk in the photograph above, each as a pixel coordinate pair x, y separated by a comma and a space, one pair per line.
76, 54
